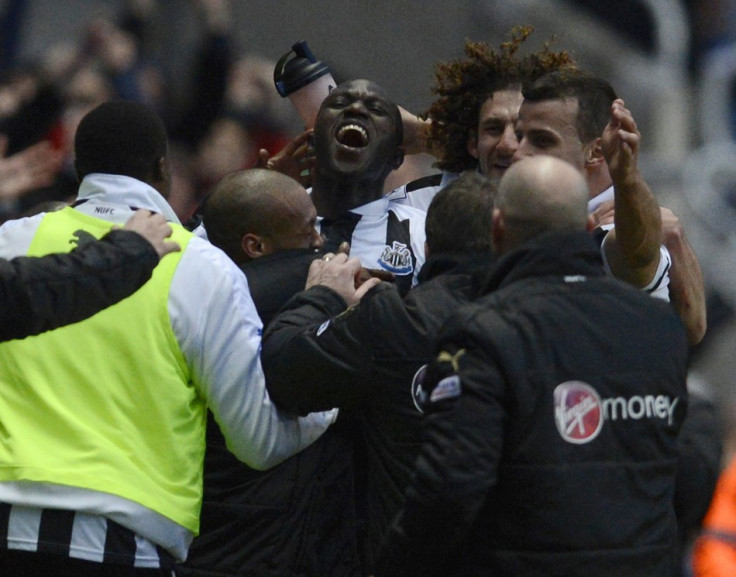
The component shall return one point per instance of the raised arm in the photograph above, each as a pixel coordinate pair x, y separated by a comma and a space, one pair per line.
633, 247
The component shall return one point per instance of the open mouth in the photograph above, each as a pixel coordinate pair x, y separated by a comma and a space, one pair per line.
352, 136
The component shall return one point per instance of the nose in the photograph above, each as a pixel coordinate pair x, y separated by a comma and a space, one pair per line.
317, 241
357, 106
508, 144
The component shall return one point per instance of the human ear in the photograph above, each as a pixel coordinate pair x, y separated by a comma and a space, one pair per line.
594, 153
252, 245
472, 144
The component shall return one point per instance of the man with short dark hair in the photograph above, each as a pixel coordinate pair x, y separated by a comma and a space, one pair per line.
265, 222
577, 117
553, 408
256, 212
472, 126
101, 458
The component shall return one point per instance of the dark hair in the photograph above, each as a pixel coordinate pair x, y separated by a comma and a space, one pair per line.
594, 96
460, 216
464, 85
120, 137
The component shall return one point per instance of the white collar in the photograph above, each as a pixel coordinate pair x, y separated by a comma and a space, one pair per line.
599, 199
118, 189
375, 208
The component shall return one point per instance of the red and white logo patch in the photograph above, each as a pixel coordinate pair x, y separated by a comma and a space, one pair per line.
579, 412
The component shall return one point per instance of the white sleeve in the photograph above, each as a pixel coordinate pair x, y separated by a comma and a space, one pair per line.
16, 236
219, 332
658, 287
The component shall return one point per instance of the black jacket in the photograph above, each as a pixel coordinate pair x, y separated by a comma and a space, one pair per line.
43, 293
550, 447
273, 279
364, 361
297, 519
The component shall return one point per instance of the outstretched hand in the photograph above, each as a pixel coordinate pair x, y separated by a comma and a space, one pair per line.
154, 228
620, 143
341, 274
296, 159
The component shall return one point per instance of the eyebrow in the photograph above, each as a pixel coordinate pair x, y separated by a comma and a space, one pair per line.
493, 120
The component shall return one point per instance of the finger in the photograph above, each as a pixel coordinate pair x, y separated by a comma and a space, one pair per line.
301, 152
380, 274
341, 258
299, 141
629, 137
629, 143
624, 118
169, 247
344, 248
262, 160
138, 216
366, 286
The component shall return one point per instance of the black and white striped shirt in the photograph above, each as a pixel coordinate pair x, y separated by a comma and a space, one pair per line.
384, 235
79, 535
420, 192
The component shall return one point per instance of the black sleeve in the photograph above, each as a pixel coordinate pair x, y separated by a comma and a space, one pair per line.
42, 293
315, 351
701, 447
457, 464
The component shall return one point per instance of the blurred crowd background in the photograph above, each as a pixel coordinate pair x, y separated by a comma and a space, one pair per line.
207, 67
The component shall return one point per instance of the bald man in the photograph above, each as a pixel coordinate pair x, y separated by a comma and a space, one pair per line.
296, 518
552, 409
265, 222
257, 212
545, 196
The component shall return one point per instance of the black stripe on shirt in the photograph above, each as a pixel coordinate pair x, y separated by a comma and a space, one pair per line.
338, 231
4, 520
119, 544
399, 231
659, 280
425, 182
166, 560
55, 531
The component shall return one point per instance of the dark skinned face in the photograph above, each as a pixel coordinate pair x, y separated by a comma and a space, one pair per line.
356, 134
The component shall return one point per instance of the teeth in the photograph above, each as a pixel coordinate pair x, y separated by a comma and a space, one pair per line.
352, 135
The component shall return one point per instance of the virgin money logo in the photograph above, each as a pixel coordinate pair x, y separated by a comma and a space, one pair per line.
578, 412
